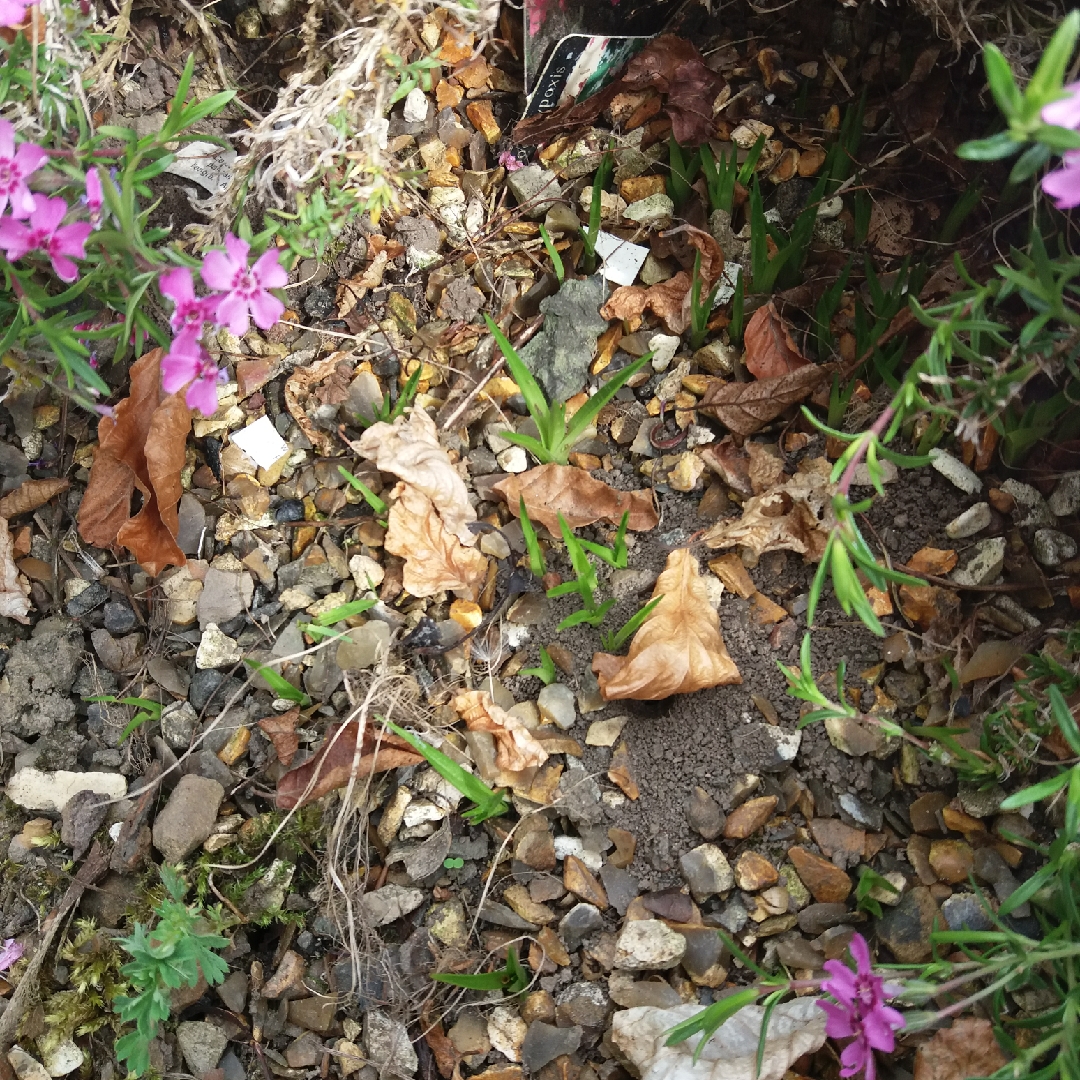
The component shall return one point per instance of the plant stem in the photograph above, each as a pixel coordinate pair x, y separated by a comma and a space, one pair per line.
879, 425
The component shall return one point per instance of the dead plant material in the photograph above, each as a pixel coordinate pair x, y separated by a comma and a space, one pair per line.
300, 385
281, 731
771, 351
30, 495
515, 747
747, 407
339, 759
795, 515
749, 469
550, 490
14, 589
678, 649
142, 447
968, 1048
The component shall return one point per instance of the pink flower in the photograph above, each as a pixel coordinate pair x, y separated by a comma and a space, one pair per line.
13, 12
860, 1012
17, 165
187, 362
509, 161
245, 289
93, 198
10, 952
61, 243
188, 309
1066, 111
1063, 185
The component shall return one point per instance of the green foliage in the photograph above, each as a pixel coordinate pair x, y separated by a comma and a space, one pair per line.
387, 413
613, 642
545, 672
278, 684
509, 979
700, 312
171, 955
320, 627
557, 435
147, 710
553, 254
710, 1018
682, 169
599, 184
722, 175
489, 803
378, 505
532, 544
411, 74
585, 584
869, 880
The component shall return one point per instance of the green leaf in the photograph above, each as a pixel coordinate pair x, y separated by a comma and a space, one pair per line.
1029, 163
373, 500
1001, 145
1003, 86
545, 672
709, 1019
583, 418
614, 642
526, 381
532, 544
278, 684
1045, 84
345, 611
1036, 792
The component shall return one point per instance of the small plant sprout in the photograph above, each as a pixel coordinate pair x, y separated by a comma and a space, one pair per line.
279, 685
722, 175
557, 435
147, 710
617, 555
532, 544
171, 955
700, 312
411, 74
681, 174
489, 804
454, 863
600, 182
387, 414
545, 672
510, 979
320, 626
613, 642
378, 505
553, 254
585, 584
869, 880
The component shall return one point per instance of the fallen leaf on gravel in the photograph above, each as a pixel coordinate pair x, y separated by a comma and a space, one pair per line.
338, 759
795, 515
142, 447
281, 731
747, 407
435, 560
409, 448
931, 560
550, 490
14, 590
31, 494
678, 648
299, 385
749, 469
770, 349
968, 1048
731, 570
447, 1058
926, 605
891, 225
515, 747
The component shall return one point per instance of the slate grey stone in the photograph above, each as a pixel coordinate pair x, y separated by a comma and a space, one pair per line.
576, 925
543, 1043
94, 595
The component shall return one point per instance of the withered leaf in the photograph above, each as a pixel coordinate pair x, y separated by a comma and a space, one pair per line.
892, 223
770, 349
515, 746
281, 731
338, 759
665, 300
747, 407
447, 1058
550, 490
300, 385
14, 590
435, 560
31, 494
678, 649
749, 469
409, 448
968, 1048
795, 515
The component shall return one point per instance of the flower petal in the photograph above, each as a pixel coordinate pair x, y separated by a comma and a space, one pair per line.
232, 312
1063, 186
177, 285
14, 238
7, 139
65, 269
238, 249
29, 157
177, 371
861, 952
202, 395
853, 1058
218, 270
71, 239
839, 1024
268, 272
266, 310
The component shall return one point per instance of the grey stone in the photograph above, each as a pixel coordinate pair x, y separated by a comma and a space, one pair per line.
868, 817
990, 867
388, 1045
188, 817
648, 945
536, 186
119, 617
364, 647
704, 814
461, 300
576, 925
225, 595
178, 724
956, 472
973, 520
36, 686
500, 915
202, 1045
544, 1043
233, 991
583, 1004
703, 951
388, 904
980, 802
1065, 499
817, 918
33, 789
905, 929
561, 218
769, 747
1051, 547
963, 911
579, 794
91, 597
733, 916
1031, 510
985, 563
707, 872
653, 211
192, 523
202, 687
217, 649
560, 355
556, 704
620, 885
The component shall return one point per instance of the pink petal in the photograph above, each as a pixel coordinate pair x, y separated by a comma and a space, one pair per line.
14, 238
839, 1025
177, 285
176, 372
22, 202
65, 269
29, 158
7, 139
93, 188
266, 310
48, 213
1066, 111
854, 1058
233, 313
268, 272
238, 249
71, 239
1063, 186
202, 395
860, 951
12, 12
218, 270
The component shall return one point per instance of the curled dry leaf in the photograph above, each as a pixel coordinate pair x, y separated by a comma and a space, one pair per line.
550, 490
770, 349
30, 495
14, 589
747, 407
340, 758
142, 447
678, 649
515, 747
409, 448
281, 731
968, 1048
301, 384
435, 560
749, 469
891, 226
795, 515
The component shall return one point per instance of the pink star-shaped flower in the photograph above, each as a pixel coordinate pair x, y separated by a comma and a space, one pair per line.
17, 163
188, 309
43, 231
187, 363
244, 288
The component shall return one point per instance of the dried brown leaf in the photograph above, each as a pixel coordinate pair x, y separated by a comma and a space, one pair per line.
340, 758
14, 591
435, 560
281, 731
795, 515
665, 299
968, 1048
299, 385
733, 574
770, 349
678, 649
515, 746
892, 223
409, 448
550, 490
31, 494
747, 407
620, 773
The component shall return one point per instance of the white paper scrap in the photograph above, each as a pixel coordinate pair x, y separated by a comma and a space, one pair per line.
622, 260
206, 163
261, 442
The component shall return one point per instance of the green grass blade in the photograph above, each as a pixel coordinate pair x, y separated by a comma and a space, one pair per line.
278, 684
